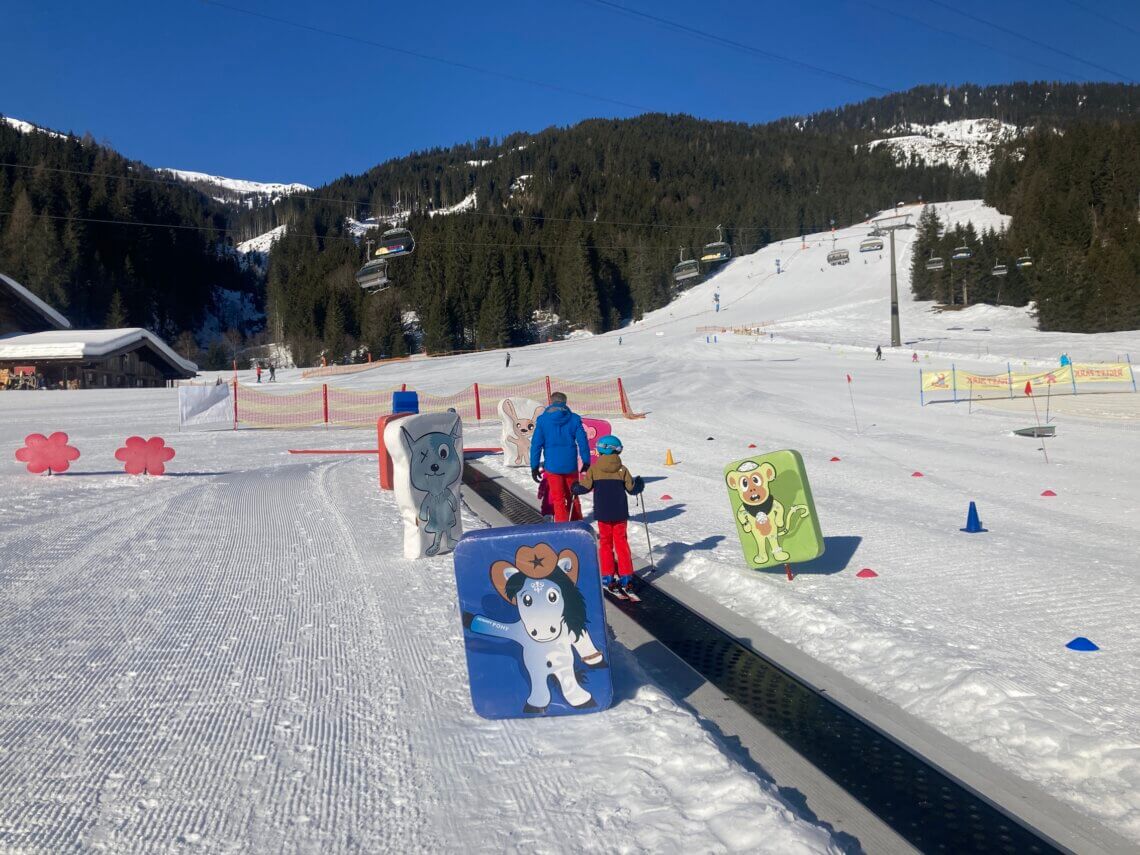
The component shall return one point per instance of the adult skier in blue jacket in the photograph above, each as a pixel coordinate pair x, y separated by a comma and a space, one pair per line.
557, 444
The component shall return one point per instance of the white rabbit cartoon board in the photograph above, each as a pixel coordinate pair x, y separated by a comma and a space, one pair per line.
517, 416
534, 627
427, 468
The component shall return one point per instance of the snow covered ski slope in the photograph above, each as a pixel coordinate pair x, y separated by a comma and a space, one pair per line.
232, 659
966, 631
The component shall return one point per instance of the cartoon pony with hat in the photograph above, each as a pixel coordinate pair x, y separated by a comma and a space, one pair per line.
542, 585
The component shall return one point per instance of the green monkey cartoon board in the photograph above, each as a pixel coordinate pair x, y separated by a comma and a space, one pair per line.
773, 509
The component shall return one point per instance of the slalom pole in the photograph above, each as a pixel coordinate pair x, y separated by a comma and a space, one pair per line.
1048, 398
852, 395
1037, 418
645, 523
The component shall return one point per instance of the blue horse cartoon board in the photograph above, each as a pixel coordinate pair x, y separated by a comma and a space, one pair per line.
773, 508
534, 626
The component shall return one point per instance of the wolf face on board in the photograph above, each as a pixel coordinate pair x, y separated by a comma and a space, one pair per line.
435, 466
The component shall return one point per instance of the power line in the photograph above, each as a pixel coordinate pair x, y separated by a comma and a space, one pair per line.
519, 216
712, 37
790, 231
1029, 39
970, 39
1094, 11
428, 57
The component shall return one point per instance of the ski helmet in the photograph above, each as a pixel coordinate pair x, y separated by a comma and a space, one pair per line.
608, 444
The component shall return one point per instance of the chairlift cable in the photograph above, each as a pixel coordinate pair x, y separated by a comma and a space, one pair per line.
712, 37
1010, 32
428, 57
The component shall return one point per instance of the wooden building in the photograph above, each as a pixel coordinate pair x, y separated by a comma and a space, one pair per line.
39, 349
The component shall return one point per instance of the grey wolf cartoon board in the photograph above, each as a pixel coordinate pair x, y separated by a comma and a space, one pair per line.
427, 468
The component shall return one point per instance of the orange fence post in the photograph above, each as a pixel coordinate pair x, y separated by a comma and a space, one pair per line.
235, 404
478, 410
325, 400
624, 402
548, 389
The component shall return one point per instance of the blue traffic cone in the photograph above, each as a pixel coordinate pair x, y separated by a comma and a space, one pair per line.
973, 524
1081, 643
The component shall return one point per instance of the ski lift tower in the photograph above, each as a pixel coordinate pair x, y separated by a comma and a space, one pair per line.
892, 225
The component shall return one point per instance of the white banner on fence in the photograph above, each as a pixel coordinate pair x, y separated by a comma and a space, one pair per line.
205, 405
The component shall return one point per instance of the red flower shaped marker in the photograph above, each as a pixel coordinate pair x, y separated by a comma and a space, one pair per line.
47, 453
145, 456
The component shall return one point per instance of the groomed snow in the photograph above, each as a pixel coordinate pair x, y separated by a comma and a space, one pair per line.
967, 632
234, 658
231, 657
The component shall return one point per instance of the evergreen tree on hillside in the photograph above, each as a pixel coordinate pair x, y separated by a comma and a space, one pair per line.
116, 313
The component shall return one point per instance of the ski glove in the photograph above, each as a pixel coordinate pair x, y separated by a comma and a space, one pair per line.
638, 486
535, 475
578, 489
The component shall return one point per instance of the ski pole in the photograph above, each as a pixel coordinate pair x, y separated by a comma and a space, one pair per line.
645, 523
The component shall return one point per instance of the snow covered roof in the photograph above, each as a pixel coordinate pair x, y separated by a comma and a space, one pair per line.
47, 312
89, 344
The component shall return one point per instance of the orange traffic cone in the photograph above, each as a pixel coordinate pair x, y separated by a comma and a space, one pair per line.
669, 458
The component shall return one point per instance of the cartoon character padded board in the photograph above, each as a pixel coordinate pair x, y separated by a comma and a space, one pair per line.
518, 416
773, 507
534, 625
427, 464
595, 429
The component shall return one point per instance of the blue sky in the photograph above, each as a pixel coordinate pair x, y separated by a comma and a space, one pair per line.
195, 85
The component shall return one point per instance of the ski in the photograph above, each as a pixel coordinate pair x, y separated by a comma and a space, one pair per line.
617, 593
631, 595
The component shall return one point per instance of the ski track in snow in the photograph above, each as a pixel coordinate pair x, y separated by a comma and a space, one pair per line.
233, 658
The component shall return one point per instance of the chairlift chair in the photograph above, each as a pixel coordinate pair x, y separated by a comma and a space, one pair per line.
686, 270
871, 244
718, 251
962, 253
396, 242
1025, 260
935, 263
838, 256
373, 276
1000, 270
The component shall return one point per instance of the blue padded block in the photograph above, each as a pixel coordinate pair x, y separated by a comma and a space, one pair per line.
534, 624
405, 402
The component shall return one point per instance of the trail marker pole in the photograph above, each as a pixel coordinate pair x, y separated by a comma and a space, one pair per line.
851, 394
1029, 394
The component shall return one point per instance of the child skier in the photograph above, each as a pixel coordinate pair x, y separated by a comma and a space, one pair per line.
610, 481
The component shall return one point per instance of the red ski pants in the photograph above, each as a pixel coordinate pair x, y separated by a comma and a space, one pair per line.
566, 504
612, 539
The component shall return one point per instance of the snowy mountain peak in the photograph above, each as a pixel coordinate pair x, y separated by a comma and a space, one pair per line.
28, 128
236, 189
965, 143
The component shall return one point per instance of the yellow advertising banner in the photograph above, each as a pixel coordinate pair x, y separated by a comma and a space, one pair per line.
950, 380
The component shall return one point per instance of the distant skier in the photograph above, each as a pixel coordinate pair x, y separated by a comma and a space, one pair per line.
610, 481
272, 373
914, 356
508, 365
878, 352
257, 371
619, 341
